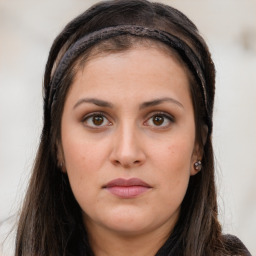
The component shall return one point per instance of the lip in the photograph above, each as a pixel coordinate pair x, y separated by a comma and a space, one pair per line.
127, 188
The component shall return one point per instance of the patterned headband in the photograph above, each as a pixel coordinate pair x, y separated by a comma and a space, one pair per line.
75, 50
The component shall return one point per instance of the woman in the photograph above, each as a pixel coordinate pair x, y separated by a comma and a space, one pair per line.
125, 163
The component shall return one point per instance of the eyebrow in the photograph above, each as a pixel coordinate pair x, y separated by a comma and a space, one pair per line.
97, 102
159, 101
103, 103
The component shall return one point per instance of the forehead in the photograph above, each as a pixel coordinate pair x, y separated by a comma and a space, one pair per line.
141, 71
123, 43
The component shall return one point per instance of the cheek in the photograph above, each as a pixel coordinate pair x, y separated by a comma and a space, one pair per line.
173, 161
175, 155
83, 161
82, 153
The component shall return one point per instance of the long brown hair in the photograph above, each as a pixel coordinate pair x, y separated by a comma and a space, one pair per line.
50, 222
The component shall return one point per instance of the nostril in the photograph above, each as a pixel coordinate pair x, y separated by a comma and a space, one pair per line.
116, 162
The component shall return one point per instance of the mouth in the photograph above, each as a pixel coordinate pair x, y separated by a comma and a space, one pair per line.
127, 188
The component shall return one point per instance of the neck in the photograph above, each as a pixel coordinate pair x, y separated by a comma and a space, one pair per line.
105, 242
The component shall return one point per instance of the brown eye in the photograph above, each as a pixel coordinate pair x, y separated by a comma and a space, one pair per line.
158, 120
161, 120
98, 120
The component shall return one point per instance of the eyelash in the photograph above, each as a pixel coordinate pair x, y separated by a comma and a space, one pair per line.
163, 115
95, 114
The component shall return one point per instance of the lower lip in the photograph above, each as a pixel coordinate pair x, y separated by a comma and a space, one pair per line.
127, 192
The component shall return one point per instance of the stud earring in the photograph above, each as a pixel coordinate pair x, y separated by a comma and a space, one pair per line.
198, 165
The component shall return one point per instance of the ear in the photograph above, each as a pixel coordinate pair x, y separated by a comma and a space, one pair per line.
60, 157
198, 152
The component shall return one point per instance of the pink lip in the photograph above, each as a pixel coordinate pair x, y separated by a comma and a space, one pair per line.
127, 188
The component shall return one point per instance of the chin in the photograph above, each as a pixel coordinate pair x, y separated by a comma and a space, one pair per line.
126, 228
122, 220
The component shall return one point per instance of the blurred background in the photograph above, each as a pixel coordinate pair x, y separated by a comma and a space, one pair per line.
27, 30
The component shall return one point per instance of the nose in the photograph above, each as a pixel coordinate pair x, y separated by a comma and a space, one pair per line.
127, 150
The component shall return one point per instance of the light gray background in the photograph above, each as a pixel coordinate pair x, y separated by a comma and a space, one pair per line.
27, 29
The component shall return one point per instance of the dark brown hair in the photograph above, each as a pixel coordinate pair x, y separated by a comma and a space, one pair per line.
50, 223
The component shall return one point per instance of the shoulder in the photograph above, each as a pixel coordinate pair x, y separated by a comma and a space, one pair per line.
235, 246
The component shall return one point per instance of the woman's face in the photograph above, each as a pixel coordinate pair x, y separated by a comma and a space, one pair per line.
128, 141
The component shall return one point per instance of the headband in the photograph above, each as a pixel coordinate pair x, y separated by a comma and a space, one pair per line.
75, 50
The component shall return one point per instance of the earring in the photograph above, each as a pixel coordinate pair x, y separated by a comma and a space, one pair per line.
198, 165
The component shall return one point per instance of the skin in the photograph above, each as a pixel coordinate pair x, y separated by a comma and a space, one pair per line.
129, 143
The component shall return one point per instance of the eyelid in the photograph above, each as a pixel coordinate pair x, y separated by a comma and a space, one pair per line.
164, 114
160, 113
92, 114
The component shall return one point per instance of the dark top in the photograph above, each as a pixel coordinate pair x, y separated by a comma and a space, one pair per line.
232, 243
172, 247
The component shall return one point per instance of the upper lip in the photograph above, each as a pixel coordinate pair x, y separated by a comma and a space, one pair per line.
120, 182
